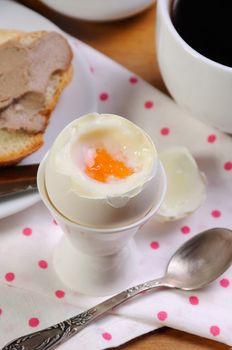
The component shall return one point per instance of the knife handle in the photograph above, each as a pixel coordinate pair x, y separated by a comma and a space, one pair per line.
17, 179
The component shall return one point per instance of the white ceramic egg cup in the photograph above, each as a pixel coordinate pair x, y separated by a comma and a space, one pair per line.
98, 262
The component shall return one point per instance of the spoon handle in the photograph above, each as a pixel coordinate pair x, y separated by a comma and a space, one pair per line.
51, 337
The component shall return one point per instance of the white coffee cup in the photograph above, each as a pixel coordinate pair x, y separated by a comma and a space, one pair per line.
198, 84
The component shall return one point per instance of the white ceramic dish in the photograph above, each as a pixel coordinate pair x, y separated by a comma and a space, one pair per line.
73, 103
98, 10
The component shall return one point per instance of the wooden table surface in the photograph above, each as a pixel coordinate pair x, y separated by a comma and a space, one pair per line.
131, 42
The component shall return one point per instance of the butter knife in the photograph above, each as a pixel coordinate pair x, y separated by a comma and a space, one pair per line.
17, 179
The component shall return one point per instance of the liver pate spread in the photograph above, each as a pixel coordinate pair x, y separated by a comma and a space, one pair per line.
26, 67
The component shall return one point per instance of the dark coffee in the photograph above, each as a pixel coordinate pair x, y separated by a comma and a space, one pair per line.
206, 25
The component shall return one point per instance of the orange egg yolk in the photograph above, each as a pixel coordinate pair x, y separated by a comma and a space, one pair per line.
105, 166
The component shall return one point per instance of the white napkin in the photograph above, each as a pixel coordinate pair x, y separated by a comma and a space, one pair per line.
31, 295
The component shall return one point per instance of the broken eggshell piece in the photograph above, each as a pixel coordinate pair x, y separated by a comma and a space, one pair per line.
186, 184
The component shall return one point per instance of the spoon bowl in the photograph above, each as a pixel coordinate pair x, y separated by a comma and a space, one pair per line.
200, 260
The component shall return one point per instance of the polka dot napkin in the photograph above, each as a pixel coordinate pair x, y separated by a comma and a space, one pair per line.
31, 295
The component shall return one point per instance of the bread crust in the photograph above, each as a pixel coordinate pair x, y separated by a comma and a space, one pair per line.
8, 34
11, 157
33, 141
66, 78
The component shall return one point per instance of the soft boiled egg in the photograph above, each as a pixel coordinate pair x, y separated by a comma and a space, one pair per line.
101, 171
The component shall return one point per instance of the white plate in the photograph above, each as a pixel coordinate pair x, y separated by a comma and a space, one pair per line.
73, 103
99, 10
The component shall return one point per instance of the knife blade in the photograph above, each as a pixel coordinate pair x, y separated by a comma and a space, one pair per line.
16, 179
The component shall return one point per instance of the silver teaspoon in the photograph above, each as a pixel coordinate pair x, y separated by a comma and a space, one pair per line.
195, 264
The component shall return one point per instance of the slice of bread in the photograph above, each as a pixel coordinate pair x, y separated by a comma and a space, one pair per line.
16, 145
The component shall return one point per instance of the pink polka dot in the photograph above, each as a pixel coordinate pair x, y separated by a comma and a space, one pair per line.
9, 276
133, 80
224, 282
27, 231
162, 315
216, 213
185, 229
43, 264
228, 166
106, 336
193, 300
103, 96
54, 222
91, 69
59, 294
33, 322
154, 245
212, 138
214, 330
0, 312
165, 131
148, 104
